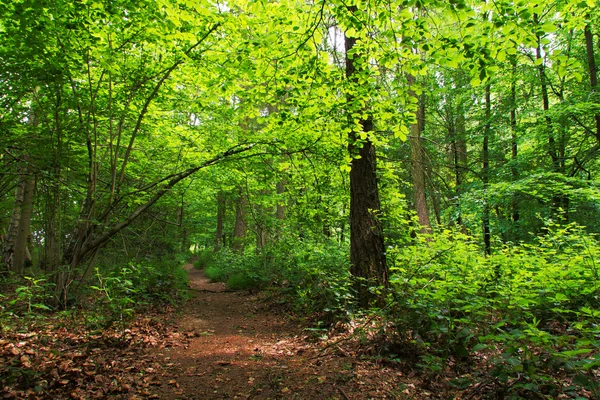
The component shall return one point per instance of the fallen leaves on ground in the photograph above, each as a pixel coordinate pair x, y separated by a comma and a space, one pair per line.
69, 362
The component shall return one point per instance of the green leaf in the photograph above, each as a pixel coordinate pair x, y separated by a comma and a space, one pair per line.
549, 27
479, 347
401, 132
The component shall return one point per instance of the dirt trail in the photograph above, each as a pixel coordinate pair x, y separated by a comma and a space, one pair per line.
235, 348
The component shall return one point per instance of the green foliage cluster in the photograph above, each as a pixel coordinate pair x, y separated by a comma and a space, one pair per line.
30, 297
311, 277
123, 290
127, 289
537, 303
529, 310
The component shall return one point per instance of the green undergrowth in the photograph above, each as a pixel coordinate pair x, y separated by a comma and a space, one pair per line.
124, 290
530, 311
312, 278
526, 318
113, 294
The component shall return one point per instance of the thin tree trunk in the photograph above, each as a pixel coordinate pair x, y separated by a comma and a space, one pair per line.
10, 240
181, 218
457, 133
557, 200
221, 209
418, 164
240, 229
51, 228
280, 210
591, 59
513, 138
486, 173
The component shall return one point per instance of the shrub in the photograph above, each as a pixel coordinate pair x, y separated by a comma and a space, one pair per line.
312, 277
139, 284
204, 258
536, 304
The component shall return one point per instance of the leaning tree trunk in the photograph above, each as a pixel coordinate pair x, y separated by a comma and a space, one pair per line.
367, 252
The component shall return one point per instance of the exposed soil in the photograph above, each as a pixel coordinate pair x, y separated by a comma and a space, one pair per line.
239, 348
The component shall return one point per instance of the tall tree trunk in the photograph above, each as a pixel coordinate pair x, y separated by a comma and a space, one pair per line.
261, 218
182, 225
457, 133
8, 245
221, 209
52, 234
435, 202
591, 60
418, 163
21, 254
553, 149
240, 229
487, 246
14, 251
280, 209
367, 253
513, 137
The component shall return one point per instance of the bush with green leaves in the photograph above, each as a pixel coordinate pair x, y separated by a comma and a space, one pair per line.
312, 277
203, 258
535, 304
317, 279
129, 288
31, 295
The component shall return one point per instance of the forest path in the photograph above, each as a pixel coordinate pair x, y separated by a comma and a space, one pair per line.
234, 347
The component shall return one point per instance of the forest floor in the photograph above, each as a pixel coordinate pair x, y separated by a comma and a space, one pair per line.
239, 347
220, 345
223, 344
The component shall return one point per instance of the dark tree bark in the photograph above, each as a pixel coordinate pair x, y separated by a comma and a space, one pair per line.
261, 218
367, 253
